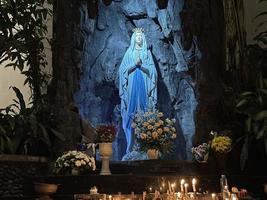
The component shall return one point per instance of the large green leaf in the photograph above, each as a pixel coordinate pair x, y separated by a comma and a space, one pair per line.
58, 135
260, 115
244, 153
45, 135
265, 144
261, 14
20, 98
242, 102
260, 133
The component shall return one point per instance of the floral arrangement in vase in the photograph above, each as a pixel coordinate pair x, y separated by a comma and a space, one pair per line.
152, 131
74, 161
201, 152
221, 143
105, 133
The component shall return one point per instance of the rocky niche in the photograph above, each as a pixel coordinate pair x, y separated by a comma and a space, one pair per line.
184, 39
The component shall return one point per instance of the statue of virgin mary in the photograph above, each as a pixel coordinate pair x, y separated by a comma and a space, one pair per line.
137, 83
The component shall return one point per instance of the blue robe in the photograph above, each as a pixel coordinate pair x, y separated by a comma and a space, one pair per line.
138, 89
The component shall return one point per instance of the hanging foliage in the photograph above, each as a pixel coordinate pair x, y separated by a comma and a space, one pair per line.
23, 29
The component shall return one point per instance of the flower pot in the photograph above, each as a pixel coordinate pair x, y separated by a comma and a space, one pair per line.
105, 151
75, 172
45, 189
153, 154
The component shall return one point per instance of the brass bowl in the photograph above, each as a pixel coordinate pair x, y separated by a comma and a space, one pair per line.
45, 188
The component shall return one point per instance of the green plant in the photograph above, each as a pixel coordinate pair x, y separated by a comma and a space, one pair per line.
23, 29
252, 104
23, 130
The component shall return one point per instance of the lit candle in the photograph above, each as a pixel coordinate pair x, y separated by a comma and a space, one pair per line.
150, 189
194, 181
109, 197
172, 186
186, 188
191, 196
169, 186
182, 185
213, 196
179, 195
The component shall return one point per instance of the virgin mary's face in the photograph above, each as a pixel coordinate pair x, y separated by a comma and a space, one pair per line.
139, 39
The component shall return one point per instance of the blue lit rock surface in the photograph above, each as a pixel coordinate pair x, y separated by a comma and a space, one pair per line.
108, 37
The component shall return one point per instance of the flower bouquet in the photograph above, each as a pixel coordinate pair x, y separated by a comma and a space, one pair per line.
74, 161
154, 132
221, 144
201, 152
105, 133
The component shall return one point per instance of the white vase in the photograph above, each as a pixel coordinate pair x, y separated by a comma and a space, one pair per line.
153, 154
105, 151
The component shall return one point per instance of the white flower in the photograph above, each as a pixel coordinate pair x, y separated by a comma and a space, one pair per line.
78, 163
83, 162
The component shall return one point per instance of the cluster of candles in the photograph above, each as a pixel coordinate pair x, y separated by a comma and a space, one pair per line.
183, 186
184, 190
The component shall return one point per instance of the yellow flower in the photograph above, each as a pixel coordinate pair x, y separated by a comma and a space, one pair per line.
157, 124
151, 121
154, 135
160, 131
173, 136
145, 124
160, 114
143, 136
166, 129
150, 127
221, 144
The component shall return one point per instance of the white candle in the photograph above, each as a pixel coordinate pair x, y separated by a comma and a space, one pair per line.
186, 188
182, 185
172, 186
109, 197
169, 185
179, 195
213, 196
150, 189
194, 181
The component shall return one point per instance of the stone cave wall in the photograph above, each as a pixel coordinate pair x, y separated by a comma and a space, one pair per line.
98, 100
184, 41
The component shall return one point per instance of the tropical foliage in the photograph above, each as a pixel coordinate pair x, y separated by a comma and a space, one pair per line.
23, 130
23, 31
252, 103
